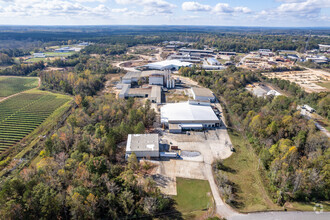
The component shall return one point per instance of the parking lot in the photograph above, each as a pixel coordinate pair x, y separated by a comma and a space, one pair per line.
204, 148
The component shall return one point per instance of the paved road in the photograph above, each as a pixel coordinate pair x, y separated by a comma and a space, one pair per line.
221, 208
310, 116
282, 216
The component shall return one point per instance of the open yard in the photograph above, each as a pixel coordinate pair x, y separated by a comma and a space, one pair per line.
194, 197
21, 114
11, 85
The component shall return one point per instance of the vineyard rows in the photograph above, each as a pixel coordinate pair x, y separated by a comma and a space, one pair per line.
12, 85
21, 114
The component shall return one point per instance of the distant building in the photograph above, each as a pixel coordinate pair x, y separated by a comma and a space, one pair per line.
83, 44
185, 58
324, 48
167, 65
156, 94
308, 108
202, 94
212, 61
131, 77
156, 79
186, 50
39, 55
124, 91
318, 59
210, 67
273, 93
266, 52
143, 145
67, 49
227, 53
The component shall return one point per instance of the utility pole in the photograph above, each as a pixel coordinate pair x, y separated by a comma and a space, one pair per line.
309, 36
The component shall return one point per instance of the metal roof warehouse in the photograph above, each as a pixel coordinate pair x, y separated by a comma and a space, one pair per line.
189, 113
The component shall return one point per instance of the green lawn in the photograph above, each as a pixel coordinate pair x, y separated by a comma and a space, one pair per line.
194, 197
37, 59
12, 85
243, 172
53, 54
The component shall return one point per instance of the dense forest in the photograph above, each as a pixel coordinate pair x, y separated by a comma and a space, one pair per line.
293, 153
237, 39
82, 173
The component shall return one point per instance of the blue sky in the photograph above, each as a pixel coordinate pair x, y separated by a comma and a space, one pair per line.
283, 13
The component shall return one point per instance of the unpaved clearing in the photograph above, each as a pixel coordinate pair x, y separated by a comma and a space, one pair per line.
307, 79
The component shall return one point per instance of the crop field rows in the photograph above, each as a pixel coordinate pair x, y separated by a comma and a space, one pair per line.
12, 85
21, 114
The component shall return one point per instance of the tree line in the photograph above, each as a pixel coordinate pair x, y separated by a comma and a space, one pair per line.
293, 152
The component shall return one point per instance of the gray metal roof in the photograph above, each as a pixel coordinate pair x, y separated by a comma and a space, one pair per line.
142, 142
131, 75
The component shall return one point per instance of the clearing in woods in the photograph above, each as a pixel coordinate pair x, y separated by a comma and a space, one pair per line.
21, 114
11, 85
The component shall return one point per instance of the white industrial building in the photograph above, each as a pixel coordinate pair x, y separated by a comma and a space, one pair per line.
188, 116
210, 67
156, 79
186, 50
324, 48
273, 93
156, 94
167, 65
131, 77
212, 61
202, 94
39, 55
143, 145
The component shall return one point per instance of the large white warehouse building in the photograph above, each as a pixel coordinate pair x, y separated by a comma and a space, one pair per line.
168, 65
189, 116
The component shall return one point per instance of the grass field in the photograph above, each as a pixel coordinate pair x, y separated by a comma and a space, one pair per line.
252, 195
193, 198
21, 114
12, 85
243, 164
54, 54
37, 59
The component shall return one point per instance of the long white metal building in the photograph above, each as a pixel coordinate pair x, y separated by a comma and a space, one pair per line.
168, 65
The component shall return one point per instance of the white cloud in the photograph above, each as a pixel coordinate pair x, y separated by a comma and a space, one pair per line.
37, 8
195, 6
224, 8
303, 9
150, 7
82, 1
220, 8
119, 10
